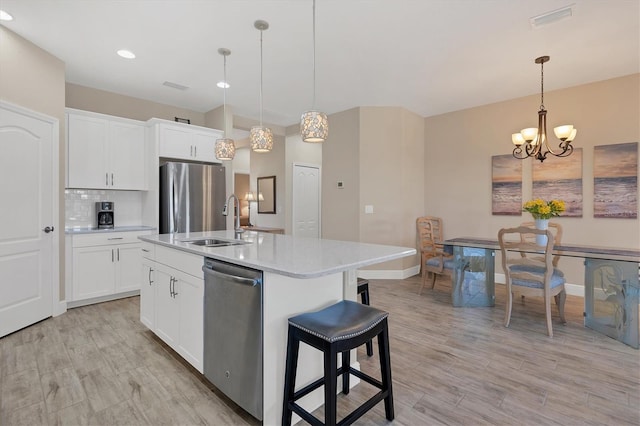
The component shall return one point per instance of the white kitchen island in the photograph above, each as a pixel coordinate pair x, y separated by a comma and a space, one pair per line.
299, 275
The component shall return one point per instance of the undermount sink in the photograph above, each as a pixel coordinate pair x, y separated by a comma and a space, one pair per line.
214, 242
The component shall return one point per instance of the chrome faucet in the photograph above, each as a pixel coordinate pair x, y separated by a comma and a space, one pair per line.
225, 212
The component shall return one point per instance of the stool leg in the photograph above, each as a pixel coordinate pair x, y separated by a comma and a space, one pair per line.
293, 346
385, 369
330, 385
346, 363
365, 301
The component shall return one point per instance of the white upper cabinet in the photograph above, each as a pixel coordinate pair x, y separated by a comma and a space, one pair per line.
187, 142
105, 152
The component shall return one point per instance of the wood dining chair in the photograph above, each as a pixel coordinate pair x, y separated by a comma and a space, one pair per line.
434, 260
531, 275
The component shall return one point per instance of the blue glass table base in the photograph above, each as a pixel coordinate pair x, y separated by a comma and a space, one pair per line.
472, 281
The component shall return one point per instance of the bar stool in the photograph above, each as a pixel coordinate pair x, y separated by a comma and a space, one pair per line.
337, 329
363, 291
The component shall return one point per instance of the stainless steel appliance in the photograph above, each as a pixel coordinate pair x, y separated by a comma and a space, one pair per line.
233, 332
192, 197
105, 214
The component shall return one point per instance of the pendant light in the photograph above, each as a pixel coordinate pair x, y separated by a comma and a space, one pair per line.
314, 125
535, 140
260, 136
225, 147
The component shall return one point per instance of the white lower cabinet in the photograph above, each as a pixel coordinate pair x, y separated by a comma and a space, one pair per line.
147, 293
103, 265
172, 301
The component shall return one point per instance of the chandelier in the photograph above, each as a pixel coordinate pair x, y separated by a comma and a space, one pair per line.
314, 125
535, 140
261, 136
225, 147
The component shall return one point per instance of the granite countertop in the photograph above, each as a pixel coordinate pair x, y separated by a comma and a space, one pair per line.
284, 254
77, 231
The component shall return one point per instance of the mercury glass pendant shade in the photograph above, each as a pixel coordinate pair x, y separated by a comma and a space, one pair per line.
314, 126
261, 139
225, 149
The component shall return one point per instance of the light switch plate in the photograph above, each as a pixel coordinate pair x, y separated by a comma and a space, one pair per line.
368, 209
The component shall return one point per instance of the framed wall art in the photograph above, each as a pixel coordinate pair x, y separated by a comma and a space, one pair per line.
560, 178
615, 180
506, 185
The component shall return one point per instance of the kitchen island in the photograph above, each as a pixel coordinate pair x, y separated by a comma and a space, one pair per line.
299, 275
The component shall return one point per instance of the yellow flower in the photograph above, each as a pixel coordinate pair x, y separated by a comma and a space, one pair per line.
541, 209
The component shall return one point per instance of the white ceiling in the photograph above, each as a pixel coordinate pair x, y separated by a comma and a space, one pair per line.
429, 56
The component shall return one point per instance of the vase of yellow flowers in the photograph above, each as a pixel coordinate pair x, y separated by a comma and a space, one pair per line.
542, 211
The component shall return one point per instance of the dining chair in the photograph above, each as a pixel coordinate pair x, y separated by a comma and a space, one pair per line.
556, 228
434, 260
531, 275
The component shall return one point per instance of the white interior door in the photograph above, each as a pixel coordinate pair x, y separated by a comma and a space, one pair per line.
306, 201
27, 192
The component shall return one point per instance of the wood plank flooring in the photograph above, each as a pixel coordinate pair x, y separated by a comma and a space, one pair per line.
97, 365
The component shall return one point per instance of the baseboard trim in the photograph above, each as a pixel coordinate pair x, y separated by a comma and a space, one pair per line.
59, 308
388, 274
91, 301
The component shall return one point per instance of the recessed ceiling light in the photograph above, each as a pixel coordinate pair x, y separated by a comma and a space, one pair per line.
4, 16
223, 85
127, 54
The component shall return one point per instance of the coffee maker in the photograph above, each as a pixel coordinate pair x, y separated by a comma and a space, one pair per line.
104, 212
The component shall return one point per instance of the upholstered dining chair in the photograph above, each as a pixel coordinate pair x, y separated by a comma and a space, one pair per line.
434, 260
532, 275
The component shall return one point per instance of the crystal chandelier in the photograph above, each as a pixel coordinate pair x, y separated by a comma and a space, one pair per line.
261, 136
535, 140
314, 125
225, 147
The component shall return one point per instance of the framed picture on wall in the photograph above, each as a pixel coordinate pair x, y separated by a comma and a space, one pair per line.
267, 195
560, 178
615, 180
506, 185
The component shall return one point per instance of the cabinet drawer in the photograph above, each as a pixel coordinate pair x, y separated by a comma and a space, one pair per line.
148, 250
101, 239
183, 261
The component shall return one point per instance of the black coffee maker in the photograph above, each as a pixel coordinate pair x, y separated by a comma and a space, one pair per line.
104, 212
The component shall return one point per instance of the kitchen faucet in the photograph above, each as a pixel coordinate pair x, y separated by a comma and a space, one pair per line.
225, 212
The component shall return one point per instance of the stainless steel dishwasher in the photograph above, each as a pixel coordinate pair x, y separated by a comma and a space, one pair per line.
233, 332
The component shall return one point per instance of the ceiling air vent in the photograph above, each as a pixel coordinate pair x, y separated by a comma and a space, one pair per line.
175, 85
551, 17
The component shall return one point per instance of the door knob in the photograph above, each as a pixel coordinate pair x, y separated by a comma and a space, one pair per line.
48, 229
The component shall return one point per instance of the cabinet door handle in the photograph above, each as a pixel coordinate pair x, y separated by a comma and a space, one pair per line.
118, 255
111, 179
106, 179
191, 151
195, 151
112, 255
170, 287
145, 250
150, 271
175, 293
115, 238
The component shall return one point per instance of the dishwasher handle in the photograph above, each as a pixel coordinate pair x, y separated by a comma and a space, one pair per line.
235, 278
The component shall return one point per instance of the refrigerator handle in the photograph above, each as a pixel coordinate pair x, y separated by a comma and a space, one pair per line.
175, 206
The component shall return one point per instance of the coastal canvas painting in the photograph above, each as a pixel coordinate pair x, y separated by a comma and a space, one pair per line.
506, 185
615, 180
560, 178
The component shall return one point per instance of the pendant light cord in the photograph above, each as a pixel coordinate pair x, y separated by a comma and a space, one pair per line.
260, 78
313, 104
224, 97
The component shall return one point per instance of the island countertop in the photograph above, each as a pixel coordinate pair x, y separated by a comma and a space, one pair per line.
284, 254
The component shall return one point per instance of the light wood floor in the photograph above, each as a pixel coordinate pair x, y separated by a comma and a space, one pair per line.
98, 365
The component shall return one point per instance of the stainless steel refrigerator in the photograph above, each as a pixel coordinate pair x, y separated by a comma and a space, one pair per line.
192, 197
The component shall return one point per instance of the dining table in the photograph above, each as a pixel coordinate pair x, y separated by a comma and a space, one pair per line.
611, 282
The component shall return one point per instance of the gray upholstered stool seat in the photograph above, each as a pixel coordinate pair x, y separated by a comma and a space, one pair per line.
335, 330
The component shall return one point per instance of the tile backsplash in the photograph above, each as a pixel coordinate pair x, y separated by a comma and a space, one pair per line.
80, 207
